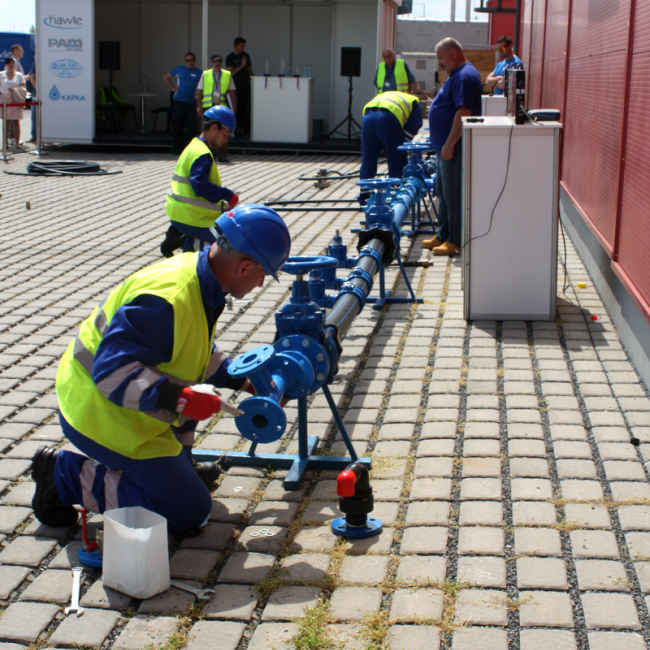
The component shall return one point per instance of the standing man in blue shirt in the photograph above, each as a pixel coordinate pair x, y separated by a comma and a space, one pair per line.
508, 60
459, 96
184, 105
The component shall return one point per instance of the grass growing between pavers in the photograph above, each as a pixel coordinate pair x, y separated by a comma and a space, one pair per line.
312, 629
177, 640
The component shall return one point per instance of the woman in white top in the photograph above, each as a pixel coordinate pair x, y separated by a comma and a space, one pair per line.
11, 83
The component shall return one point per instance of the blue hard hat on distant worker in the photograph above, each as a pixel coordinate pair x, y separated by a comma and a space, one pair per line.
221, 114
256, 231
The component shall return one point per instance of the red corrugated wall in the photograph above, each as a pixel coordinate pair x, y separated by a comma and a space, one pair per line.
501, 24
591, 59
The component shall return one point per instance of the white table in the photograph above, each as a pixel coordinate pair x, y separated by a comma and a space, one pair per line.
494, 105
282, 109
142, 96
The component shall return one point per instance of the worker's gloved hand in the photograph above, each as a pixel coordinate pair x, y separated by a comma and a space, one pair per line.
233, 202
201, 401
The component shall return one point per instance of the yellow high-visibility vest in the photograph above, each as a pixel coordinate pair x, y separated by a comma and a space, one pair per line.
132, 433
399, 104
401, 78
182, 204
208, 87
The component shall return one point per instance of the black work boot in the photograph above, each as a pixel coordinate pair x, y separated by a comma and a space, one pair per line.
208, 472
46, 502
180, 534
174, 239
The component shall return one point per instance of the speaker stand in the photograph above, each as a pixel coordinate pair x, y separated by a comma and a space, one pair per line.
353, 126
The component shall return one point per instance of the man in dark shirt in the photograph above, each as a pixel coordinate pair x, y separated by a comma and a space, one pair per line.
239, 63
459, 96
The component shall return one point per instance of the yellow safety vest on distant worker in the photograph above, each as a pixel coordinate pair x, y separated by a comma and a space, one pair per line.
401, 78
182, 204
137, 434
208, 87
399, 104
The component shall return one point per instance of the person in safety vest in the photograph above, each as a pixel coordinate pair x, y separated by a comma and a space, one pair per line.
196, 197
389, 120
142, 372
217, 88
393, 74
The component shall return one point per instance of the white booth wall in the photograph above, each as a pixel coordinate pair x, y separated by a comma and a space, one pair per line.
155, 36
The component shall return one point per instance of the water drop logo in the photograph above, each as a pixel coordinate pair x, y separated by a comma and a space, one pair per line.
54, 94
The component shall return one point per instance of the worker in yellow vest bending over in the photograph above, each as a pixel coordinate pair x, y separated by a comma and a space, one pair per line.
393, 74
217, 88
389, 120
142, 372
196, 197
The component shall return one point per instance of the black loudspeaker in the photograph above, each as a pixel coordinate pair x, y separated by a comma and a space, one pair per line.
350, 61
109, 55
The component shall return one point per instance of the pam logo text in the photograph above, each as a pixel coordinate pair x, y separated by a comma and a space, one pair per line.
62, 22
67, 44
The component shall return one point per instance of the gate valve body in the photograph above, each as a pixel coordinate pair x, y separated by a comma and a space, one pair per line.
356, 502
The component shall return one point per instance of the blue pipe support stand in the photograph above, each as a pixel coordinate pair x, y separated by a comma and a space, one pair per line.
300, 362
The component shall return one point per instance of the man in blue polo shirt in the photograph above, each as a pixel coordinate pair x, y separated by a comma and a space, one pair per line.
459, 96
508, 60
182, 81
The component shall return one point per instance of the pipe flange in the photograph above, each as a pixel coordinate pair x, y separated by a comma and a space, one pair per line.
263, 420
386, 235
251, 362
314, 354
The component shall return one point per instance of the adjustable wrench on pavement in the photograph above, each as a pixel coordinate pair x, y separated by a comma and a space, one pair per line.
76, 586
201, 594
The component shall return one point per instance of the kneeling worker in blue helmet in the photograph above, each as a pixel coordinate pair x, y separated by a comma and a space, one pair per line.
196, 197
389, 120
142, 372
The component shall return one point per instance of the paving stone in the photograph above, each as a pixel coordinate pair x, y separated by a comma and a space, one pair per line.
529, 489
11, 517
410, 605
310, 567
354, 603
593, 543
533, 513
481, 467
320, 512
433, 467
143, 631
436, 447
482, 430
541, 573
10, 578
171, 601
639, 546
288, 603
479, 638
431, 488
241, 487
480, 488
361, 569
545, 609
634, 517
537, 541
192, 564
392, 449
601, 575
527, 431
587, 515
529, 467
421, 569
213, 537
568, 432
582, 490
20, 495
438, 430
482, 607
28, 551
232, 602
11, 469
314, 540
68, 557
610, 434
527, 448
24, 622
89, 630
629, 491
203, 634
624, 470
273, 635
613, 611
413, 637
261, 543
643, 573
472, 448
547, 640
275, 492
482, 572
424, 540
479, 540
103, 597
246, 568
618, 640
228, 510
50, 586
481, 513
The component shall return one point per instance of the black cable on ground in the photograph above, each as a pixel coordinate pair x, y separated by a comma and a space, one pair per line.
64, 168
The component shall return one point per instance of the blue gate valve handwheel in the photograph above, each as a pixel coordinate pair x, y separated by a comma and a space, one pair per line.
414, 146
299, 265
379, 183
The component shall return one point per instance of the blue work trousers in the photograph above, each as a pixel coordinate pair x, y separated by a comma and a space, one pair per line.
449, 192
195, 238
381, 130
103, 480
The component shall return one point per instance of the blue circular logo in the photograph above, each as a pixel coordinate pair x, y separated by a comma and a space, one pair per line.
65, 68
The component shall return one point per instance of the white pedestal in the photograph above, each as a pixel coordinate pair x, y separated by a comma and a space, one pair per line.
494, 105
510, 265
282, 113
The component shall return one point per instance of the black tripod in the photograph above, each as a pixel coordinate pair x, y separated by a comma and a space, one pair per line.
353, 125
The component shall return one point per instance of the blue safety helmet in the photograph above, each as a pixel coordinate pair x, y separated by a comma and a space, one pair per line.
221, 114
256, 231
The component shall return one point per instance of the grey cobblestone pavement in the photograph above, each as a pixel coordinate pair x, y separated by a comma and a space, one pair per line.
516, 511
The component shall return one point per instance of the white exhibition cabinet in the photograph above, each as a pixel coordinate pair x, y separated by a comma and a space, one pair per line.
282, 109
510, 265
494, 105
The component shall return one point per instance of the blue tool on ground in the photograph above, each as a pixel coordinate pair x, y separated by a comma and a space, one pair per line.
303, 359
90, 554
356, 501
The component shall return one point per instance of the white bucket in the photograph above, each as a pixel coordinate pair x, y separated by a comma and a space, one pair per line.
136, 556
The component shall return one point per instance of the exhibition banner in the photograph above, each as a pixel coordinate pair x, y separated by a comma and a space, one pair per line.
65, 69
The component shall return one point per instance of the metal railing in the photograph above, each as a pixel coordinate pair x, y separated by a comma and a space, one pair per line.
39, 142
